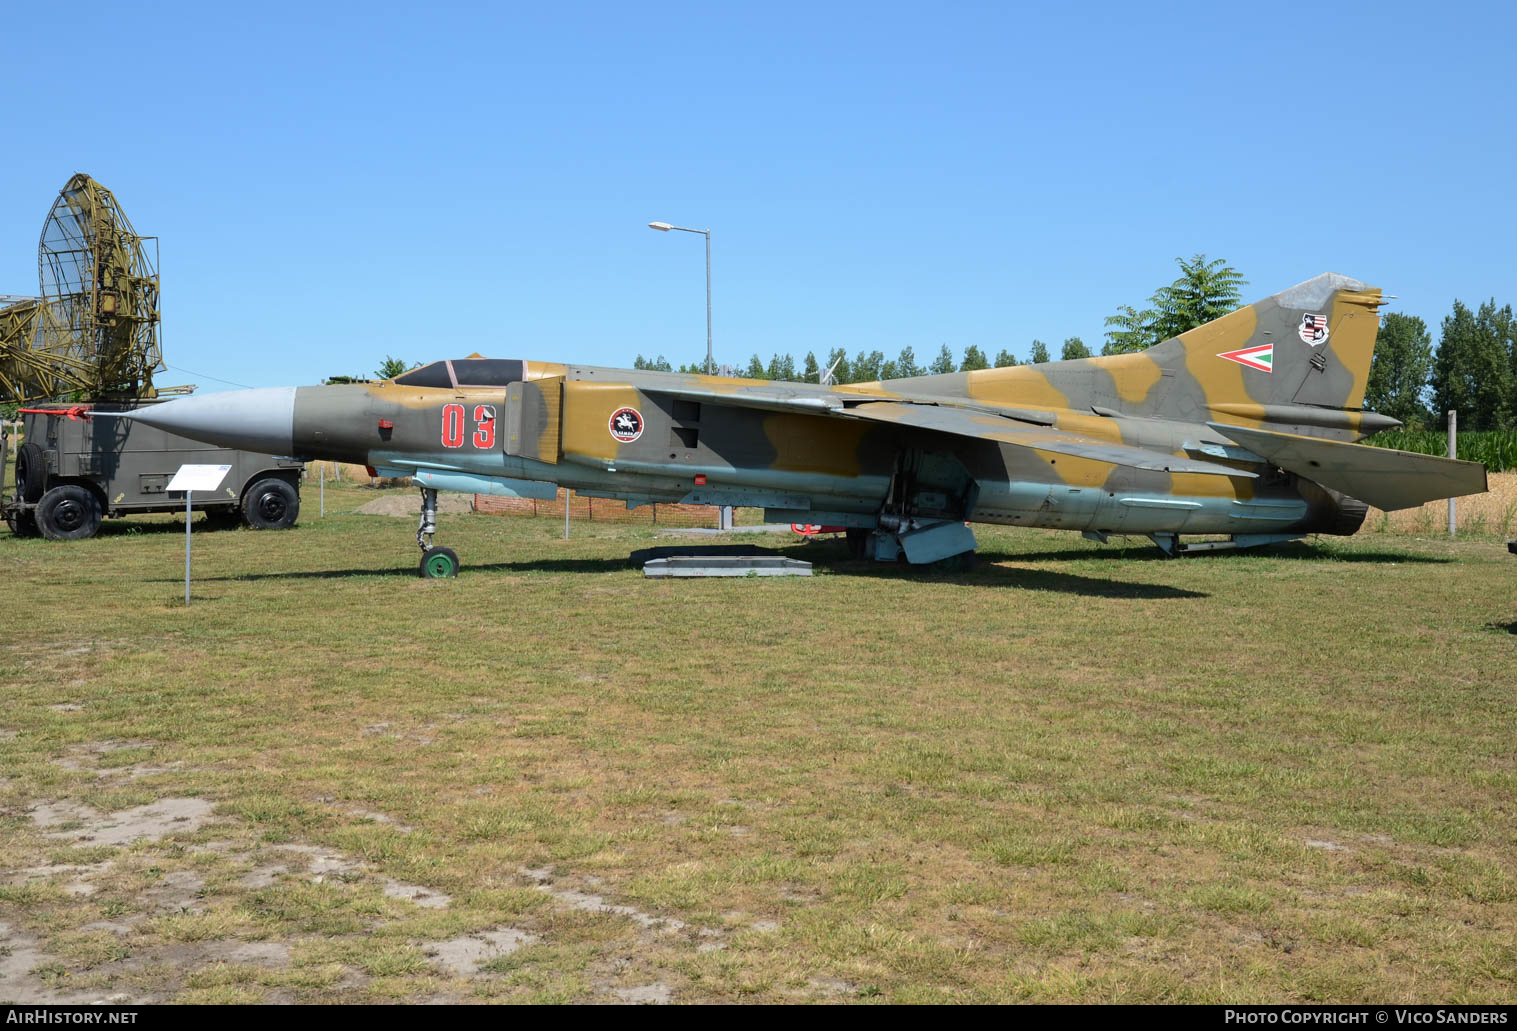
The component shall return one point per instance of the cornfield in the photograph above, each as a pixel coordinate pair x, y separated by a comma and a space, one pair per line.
1496, 449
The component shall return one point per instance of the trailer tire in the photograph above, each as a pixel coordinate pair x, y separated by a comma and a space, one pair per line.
31, 472
68, 513
223, 517
271, 504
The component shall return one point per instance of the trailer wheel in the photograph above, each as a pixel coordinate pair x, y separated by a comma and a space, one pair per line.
270, 504
223, 517
68, 513
22, 524
31, 472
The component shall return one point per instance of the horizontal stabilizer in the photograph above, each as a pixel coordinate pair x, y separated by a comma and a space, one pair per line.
1377, 476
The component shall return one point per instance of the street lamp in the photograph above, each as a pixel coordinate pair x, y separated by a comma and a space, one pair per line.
664, 227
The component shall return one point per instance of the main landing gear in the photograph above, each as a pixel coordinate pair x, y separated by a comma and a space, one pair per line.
437, 563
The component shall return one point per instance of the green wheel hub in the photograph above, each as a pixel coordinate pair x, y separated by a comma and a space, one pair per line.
439, 564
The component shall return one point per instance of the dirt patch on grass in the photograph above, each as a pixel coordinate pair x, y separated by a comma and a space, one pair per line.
28, 974
80, 823
645, 995
408, 504
591, 903
465, 955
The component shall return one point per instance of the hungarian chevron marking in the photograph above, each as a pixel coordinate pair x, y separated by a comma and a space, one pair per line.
1261, 358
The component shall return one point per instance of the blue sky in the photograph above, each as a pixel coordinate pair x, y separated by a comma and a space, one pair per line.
334, 183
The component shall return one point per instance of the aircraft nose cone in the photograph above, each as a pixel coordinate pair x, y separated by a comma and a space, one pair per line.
261, 419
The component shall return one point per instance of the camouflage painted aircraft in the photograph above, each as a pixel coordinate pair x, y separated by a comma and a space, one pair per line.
1244, 428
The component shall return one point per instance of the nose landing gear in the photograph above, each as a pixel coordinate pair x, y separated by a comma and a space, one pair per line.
437, 563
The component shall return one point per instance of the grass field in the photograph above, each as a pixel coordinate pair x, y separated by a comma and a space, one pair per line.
1076, 774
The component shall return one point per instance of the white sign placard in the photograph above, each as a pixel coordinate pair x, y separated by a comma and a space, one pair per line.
198, 477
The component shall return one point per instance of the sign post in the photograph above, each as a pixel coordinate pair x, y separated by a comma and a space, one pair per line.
1453, 453
189, 479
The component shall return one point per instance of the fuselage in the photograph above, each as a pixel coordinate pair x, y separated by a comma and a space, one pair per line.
623, 435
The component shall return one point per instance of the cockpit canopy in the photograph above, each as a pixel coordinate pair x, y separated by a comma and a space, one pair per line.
464, 372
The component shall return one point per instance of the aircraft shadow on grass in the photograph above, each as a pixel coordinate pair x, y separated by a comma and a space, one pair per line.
985, 575
833, 557
1145, 552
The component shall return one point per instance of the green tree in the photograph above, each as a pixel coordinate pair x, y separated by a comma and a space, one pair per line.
906, 364
1005, 359
1205, 290
756, 369
391, 367
943, 363
974, 360
866, 367
1074, 347
1472, 371
811, 373
1128, 330
1039, 353
1400, 369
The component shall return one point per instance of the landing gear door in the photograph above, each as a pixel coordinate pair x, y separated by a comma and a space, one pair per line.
534, 415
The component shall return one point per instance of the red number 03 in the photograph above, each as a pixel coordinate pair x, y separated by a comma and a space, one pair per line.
453, 426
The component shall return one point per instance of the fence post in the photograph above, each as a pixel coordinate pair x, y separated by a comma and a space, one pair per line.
1453, 453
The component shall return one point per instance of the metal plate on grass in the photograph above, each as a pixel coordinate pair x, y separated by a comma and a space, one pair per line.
724, 565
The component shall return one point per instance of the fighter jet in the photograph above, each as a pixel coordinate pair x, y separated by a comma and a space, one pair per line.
1243, 428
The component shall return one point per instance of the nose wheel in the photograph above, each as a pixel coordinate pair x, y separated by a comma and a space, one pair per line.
437, 563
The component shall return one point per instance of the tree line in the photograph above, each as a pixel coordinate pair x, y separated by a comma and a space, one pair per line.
1472, 367
1205, 290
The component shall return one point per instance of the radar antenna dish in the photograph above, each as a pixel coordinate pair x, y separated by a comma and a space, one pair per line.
95, 328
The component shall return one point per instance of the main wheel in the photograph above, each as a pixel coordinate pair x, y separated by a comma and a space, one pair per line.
858, 539
68, 513
963, 562
270, 504
31, 472
439, 563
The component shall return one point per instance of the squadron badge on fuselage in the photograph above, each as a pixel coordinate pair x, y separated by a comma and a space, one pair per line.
626, 424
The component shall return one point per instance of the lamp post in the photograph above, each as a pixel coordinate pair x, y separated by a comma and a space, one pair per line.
664, 227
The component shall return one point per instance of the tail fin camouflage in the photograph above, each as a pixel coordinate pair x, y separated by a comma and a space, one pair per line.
1309, 345
1297, 361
